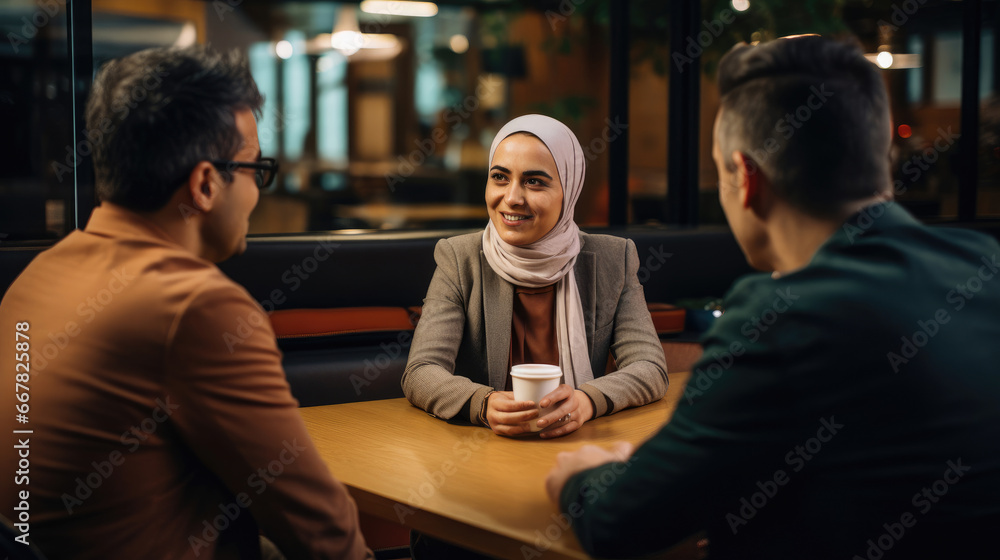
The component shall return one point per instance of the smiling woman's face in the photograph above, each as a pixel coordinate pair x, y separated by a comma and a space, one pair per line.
523, 194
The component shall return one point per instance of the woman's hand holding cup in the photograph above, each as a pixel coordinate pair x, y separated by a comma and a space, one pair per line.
573, 408
538, 403
508, 417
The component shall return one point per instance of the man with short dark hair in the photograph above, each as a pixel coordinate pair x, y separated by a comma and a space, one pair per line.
846, 403
152, 434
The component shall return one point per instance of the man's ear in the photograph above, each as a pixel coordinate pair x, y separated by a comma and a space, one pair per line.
749, 179
203, 186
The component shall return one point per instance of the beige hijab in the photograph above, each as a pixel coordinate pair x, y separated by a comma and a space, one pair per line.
551, 258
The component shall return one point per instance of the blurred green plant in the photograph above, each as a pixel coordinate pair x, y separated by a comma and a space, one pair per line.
584, 21
570, 109
650, 24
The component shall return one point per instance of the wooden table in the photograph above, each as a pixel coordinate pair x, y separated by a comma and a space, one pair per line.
464, 483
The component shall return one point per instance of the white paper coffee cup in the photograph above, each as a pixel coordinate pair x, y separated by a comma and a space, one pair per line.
532, 382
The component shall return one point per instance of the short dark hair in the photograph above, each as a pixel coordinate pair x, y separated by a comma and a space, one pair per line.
153, 115
813, 114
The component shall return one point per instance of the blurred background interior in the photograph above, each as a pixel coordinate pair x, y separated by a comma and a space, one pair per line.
381, 113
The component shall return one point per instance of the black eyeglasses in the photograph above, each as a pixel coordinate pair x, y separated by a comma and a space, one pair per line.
264, 170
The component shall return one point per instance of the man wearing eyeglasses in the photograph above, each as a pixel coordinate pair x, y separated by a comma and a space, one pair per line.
146, 435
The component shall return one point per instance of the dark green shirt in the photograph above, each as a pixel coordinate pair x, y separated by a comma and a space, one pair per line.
846, 409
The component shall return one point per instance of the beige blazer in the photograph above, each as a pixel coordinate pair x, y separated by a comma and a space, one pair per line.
462, 343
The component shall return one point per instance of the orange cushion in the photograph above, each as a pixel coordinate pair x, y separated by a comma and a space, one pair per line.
667, 318
292, 323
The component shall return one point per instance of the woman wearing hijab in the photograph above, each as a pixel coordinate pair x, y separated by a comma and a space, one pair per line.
532, 288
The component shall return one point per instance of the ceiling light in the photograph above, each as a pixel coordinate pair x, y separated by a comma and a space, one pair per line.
399, 8
346, 37
188, 36
884, 59
347, 42
459, 43
283, 49
894, 61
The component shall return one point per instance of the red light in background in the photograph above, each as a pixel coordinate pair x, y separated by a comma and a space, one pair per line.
904, 131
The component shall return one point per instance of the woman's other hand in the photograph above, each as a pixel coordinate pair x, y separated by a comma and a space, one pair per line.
573, 409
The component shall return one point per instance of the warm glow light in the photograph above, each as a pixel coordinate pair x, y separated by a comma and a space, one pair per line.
904, 131
283, 49
347, 42
188, 36
379, 41
741, 5
884, 59
399, 8
894, 61
459, 43
346, 37
350, 42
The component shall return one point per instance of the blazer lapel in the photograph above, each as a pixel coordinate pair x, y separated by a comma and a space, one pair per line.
498, 305
586, 283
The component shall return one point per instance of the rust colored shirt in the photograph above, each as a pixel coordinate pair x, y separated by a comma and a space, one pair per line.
162, 424
533, 328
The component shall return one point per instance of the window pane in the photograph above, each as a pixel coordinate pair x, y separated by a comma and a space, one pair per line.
923, 78
988, 201
389, 125
383, 121
648, 112
36, 109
